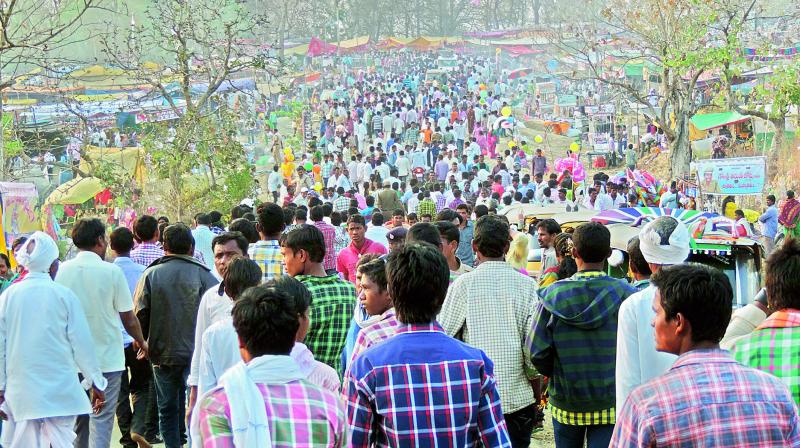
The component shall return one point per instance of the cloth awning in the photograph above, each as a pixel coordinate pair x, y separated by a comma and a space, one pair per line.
75, 191
704, 122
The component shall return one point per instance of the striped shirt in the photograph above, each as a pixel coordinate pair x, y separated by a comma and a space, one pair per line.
774, 347
298, 413
424, 388
709, 399
331, 310
267, 254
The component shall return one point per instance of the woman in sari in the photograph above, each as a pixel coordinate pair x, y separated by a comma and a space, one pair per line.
566, 266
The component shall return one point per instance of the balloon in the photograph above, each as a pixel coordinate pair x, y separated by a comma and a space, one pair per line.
574, 146
538, 139
484, 94
482, 86
308, 166
506, 111
290, 158
287, 151
318, 186
316, 169
512, 144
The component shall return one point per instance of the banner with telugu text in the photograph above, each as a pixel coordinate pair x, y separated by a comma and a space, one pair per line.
734, 176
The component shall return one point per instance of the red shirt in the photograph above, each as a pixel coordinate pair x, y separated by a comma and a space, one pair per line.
348, 258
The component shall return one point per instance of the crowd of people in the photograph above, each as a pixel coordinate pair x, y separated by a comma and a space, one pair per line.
382, 298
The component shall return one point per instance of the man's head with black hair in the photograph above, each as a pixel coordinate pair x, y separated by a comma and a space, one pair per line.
302, 301
145, 229
202, 219
492, 237
316, 213
636, 262
301, 247
89, 234
270, 221
592, 242
783, 276
481, 210
417, 276
693, 305
121, 241
424, 232
377, 218
241, 273
246, 228
265, 321
178, 240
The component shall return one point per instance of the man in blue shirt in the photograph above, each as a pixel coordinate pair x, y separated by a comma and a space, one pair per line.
769, 222
386, 405
134, 426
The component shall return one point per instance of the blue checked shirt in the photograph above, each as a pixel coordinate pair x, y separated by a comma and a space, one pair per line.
423, 388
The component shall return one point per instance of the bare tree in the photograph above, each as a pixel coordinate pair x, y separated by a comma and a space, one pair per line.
188, 53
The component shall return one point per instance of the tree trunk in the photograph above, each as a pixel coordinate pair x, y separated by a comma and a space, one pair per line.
778, 149
680, 156
536, 11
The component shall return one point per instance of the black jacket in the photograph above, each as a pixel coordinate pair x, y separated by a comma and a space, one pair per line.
166, 302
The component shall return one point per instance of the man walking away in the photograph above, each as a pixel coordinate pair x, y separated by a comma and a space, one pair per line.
43, 329
167, 300
105, 297
459, 406
573, 341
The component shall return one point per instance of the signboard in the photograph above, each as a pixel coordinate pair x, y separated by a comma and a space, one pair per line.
153, 116
734, 176
308, 133
19, 200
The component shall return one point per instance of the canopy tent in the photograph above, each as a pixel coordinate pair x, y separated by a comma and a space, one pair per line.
704, 122
75, 191
128, 160
393, 42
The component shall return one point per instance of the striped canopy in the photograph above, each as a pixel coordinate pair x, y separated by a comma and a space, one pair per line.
641, 215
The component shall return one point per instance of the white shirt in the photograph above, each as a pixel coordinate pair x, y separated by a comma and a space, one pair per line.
377, 234
403, 166
212, 309
103, 292
44, 342
202, 243
221, 352
637, 359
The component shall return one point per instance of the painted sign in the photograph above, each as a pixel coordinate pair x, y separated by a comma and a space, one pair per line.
734, 176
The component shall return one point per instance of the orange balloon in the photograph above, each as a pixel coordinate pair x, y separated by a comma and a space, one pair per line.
317, 169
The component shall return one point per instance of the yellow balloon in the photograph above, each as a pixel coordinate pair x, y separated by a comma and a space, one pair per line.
512, 144
318, 186
290, 157
574, 146
506, 111
287, 151
538, 139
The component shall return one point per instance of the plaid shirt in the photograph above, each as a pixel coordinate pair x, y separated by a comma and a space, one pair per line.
331, 311
708, 399
426, 207
491, 308
375, 333
455, 203
326, 169
329, 234
299, 414
774, 347
341, 204
267, 254
441, 202
146, 253
423, 388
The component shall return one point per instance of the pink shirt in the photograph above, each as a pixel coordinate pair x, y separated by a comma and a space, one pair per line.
348, 258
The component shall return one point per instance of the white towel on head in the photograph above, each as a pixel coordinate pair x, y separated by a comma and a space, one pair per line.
656, 250
37, 253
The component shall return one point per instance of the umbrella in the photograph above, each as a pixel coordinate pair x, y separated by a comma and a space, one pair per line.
640, 215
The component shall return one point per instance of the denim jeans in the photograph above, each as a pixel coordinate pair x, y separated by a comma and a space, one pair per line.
94, 430
520, 426
171, 392
573, 436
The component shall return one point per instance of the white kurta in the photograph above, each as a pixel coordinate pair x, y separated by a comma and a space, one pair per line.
637, 359
213, 308
44, 343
